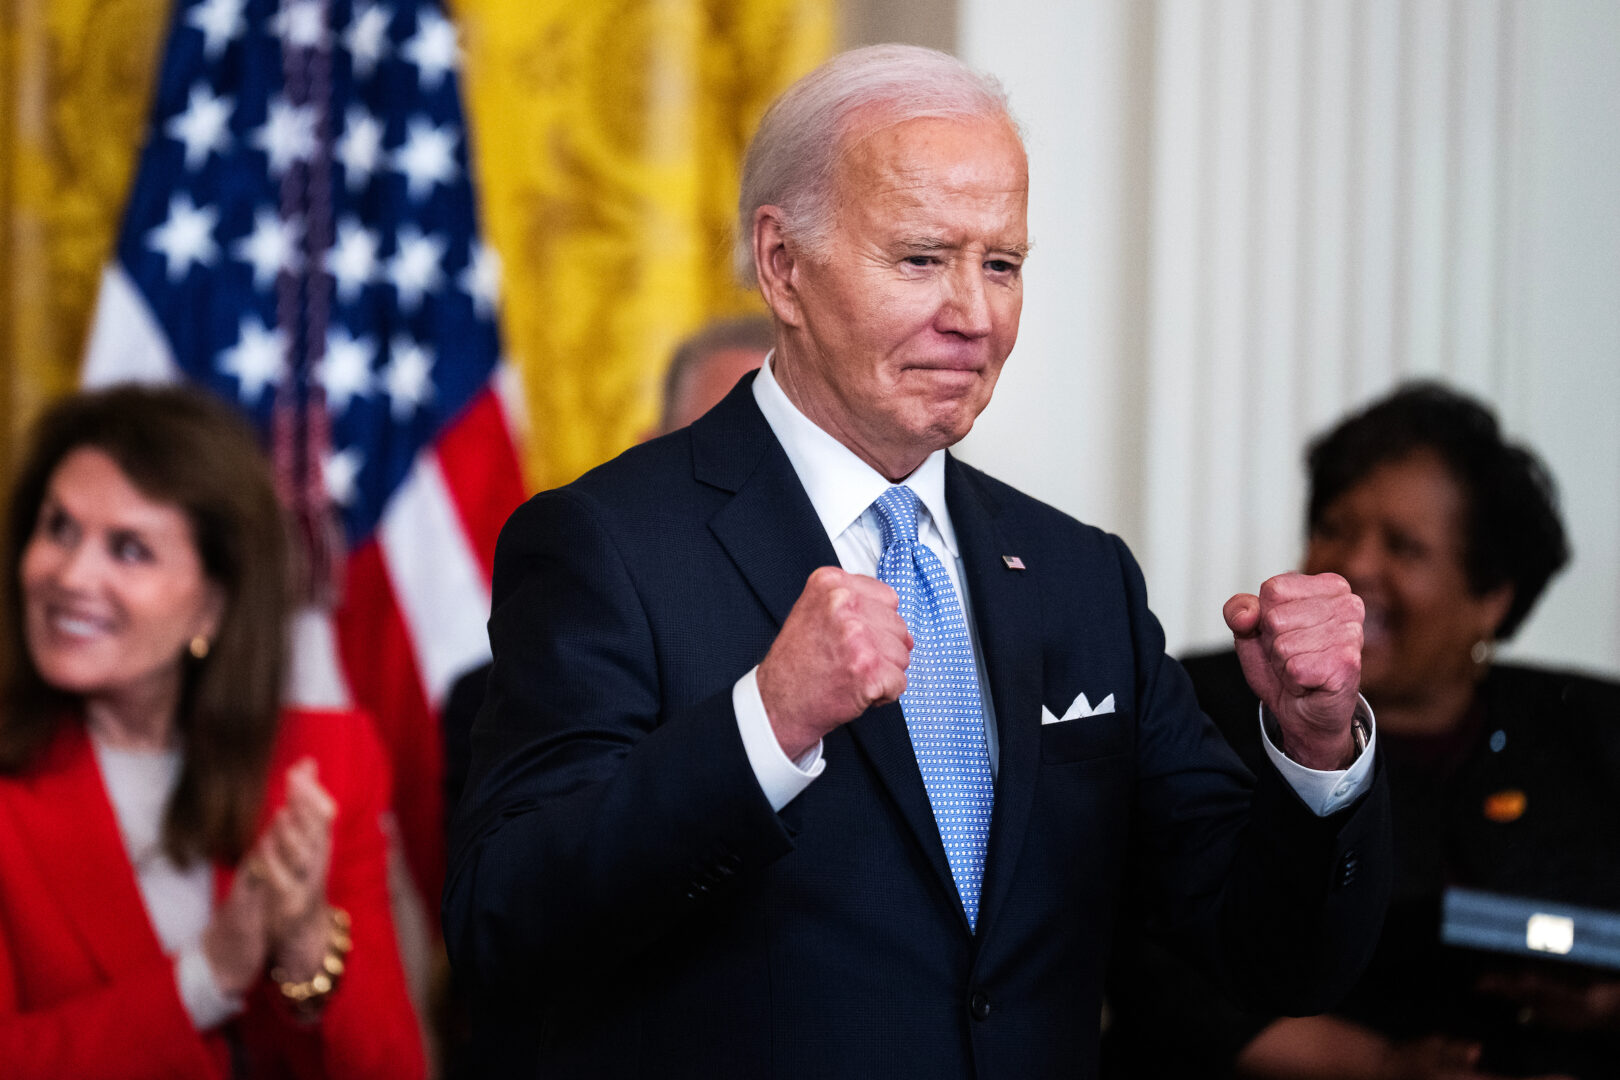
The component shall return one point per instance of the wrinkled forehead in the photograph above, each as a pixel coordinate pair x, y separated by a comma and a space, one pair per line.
863, 123
946, 180
932, 154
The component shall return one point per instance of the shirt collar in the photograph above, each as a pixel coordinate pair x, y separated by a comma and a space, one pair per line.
841, 486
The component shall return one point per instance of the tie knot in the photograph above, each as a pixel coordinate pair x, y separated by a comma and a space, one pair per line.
897, 511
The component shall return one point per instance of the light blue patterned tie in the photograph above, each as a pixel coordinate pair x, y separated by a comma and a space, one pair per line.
943, 710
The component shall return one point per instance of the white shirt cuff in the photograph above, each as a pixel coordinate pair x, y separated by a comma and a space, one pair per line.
780, 777
206, 1004
1326, 792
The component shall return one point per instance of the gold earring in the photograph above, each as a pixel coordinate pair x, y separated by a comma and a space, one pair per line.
199, 647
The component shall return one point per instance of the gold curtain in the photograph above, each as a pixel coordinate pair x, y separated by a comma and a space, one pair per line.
606, 139
75, 83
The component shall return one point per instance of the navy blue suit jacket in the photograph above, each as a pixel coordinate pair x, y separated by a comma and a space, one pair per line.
630, 905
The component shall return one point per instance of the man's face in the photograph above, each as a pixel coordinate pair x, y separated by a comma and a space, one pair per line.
900, 329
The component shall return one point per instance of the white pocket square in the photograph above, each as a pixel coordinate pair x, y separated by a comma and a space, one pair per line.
1079, 710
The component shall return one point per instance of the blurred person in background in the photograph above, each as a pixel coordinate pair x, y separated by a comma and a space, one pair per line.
1503, 776
192, 878
706, 365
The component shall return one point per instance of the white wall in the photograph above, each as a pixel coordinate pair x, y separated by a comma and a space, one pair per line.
1253, 216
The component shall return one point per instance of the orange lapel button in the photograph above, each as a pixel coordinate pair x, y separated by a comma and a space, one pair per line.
1505, 806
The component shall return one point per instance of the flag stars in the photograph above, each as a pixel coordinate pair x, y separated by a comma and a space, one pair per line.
220, 22
345, 370
309, 248
433, 49
408, 378
341, 474
481, 280
187, 237
300, 24
414, 269
427, 157
359, 149
367, 38
353, 259
270, 248
288, 134
205, 126
256, 360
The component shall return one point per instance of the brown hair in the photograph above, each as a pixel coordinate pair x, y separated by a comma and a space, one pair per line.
180, 446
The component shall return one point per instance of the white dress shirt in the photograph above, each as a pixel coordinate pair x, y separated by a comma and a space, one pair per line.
842, 489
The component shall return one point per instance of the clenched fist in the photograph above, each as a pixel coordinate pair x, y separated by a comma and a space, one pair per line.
1299, 642
842, 649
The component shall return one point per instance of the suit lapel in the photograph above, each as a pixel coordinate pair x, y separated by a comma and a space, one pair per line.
64, 815
1006, 613
768, 527
774, 537
881, 734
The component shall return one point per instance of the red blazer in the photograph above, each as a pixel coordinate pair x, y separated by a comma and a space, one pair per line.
85, 988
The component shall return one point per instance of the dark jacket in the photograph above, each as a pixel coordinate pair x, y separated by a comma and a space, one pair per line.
621, 885
1552, 736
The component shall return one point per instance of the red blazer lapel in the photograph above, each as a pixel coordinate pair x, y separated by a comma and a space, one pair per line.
65, 817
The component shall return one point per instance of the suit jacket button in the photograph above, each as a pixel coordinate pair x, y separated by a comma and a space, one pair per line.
979, 1006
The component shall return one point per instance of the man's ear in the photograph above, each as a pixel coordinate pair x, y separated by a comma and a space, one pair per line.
776, 264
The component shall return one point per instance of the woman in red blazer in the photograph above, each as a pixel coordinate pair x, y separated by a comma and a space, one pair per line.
192, 880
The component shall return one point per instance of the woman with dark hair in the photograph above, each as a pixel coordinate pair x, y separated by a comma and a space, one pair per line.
192, 878
1502, 776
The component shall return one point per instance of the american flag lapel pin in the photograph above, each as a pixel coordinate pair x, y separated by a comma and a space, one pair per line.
1013, 562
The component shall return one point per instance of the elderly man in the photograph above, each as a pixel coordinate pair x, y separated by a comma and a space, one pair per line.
812, 752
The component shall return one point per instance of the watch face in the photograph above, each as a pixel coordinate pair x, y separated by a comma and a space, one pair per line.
1360, 730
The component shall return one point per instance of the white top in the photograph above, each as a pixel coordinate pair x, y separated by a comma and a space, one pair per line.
179, 902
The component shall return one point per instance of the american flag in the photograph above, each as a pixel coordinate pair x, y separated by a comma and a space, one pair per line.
301, 239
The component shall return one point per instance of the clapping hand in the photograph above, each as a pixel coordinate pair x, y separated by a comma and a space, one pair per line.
294, 855
276, 908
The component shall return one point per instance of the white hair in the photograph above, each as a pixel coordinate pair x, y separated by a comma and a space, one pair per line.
792, 160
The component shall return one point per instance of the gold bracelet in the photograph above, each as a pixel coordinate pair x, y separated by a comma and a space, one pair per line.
309, 997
